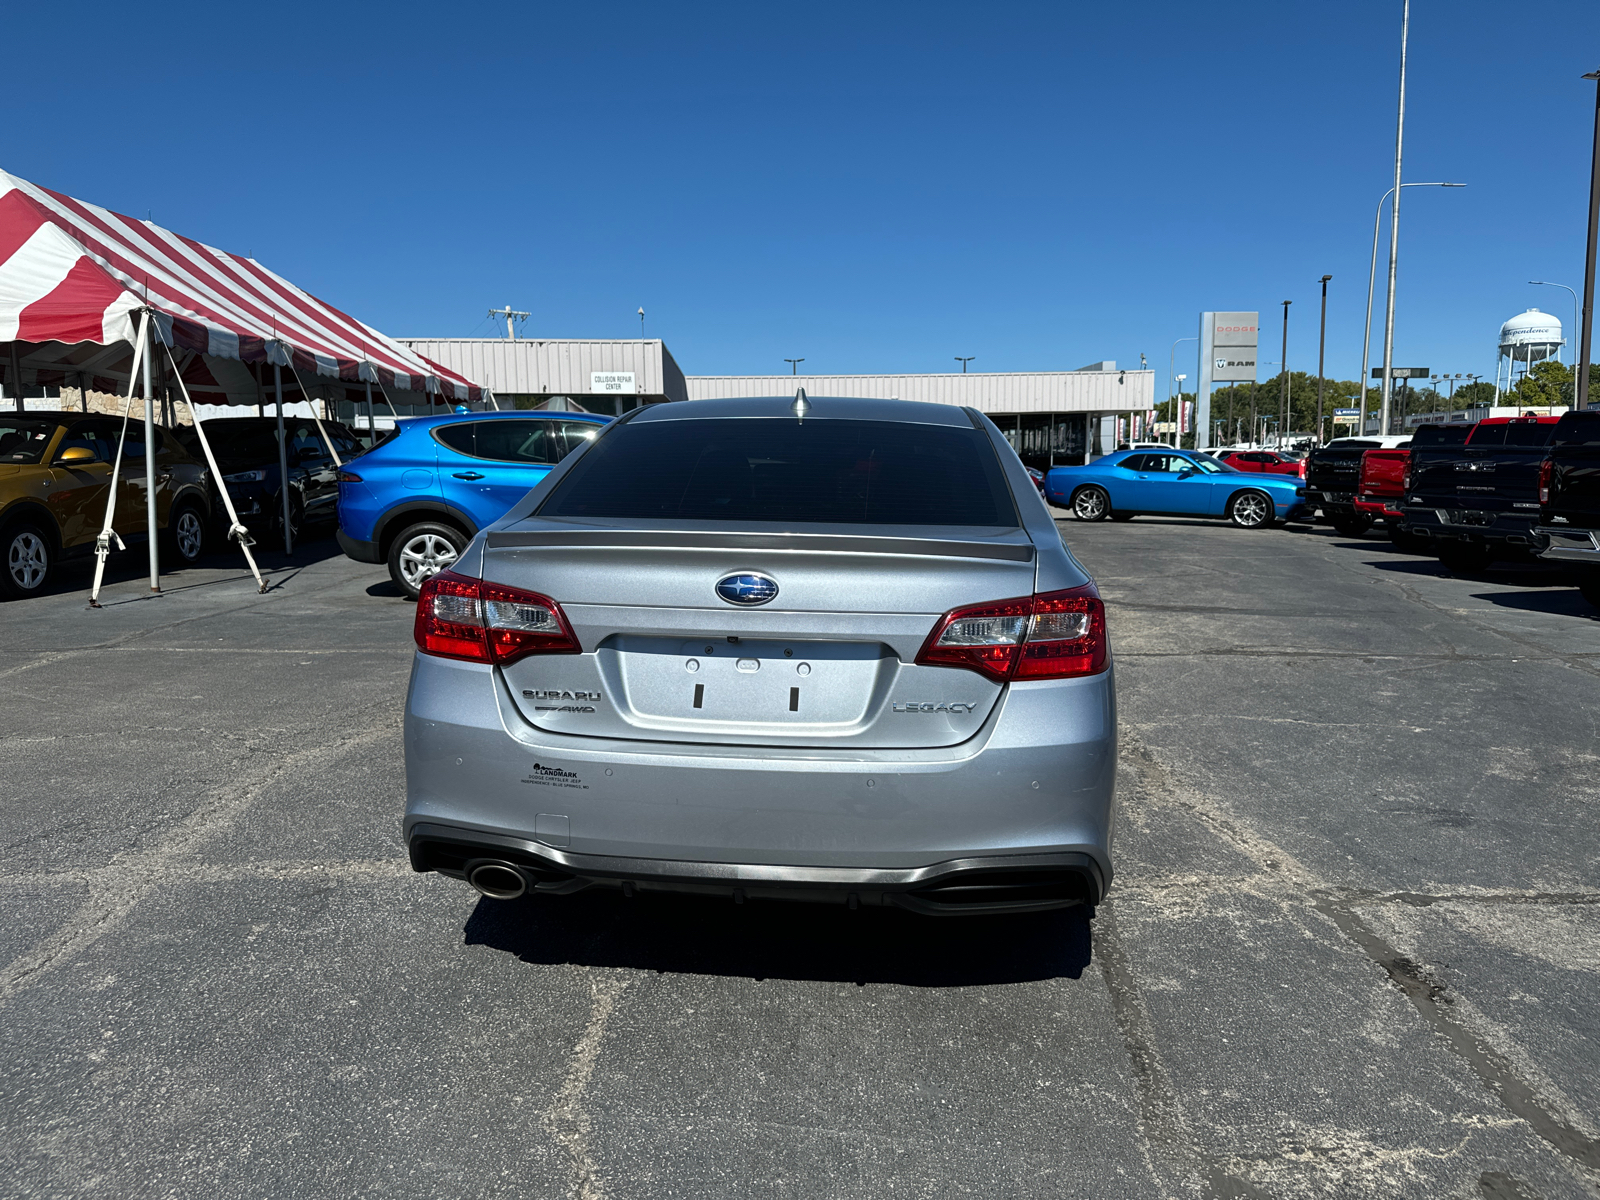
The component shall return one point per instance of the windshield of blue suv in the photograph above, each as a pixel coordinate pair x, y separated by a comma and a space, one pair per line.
795, 472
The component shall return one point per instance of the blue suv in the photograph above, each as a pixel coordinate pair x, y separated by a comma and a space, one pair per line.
416, 500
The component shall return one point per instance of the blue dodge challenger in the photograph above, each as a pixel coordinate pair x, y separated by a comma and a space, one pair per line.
1176, 483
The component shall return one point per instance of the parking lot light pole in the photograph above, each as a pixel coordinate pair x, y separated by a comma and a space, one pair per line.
1586, 326
1547, 283
1322, 347
794, 365
1372, 280
965, 361
1283, 392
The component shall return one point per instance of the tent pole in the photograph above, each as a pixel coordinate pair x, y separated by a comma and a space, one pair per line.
150, 463
283, 461
16, 378
372, 422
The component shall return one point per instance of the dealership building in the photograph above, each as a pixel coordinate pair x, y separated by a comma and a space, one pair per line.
1051, 417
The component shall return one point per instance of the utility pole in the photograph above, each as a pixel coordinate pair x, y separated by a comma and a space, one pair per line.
508, 313
1283, 420
1394, 228
1322, 346
794, 365
963, 361
1585, 344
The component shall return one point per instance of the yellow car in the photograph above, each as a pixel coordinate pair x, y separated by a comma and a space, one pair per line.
55, 473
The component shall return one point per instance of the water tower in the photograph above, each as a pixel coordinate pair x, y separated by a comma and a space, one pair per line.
1527, 338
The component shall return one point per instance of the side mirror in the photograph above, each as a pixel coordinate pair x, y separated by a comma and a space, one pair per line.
77, 456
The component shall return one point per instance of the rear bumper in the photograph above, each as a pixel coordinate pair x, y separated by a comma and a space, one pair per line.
1331, 502
984, 884
366, 552
1507, 532
1032, 792
1379, 508
1567, 545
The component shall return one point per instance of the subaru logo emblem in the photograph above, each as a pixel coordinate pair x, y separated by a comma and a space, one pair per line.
747, 588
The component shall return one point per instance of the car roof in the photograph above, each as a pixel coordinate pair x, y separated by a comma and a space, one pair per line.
819, 408
521, 414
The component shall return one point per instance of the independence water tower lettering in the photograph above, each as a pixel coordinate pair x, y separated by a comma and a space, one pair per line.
611, 382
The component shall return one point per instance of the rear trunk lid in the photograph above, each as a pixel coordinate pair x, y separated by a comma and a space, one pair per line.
828, 662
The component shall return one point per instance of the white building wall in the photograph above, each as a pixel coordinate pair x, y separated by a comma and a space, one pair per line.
1020, 392
555, 367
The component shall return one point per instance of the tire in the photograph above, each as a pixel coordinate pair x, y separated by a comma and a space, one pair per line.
1464, 560
421, 551
1407, 543
1589, 585
1123, 516
187, 533
1091, 504
1251, 510
27, 557
297, 516
1352, 526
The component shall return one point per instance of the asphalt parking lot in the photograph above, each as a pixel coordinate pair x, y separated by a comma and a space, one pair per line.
1352, 948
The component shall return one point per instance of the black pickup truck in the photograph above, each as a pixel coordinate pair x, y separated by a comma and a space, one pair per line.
1478, 501
1569, 500
1333, 475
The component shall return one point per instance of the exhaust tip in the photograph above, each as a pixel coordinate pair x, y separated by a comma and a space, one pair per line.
497, 880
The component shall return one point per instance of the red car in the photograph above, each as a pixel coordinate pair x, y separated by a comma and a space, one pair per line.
1264, 462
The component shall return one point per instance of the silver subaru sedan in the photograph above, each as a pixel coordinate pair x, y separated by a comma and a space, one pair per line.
810, 649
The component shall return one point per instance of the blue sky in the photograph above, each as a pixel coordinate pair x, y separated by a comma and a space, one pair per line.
875, 187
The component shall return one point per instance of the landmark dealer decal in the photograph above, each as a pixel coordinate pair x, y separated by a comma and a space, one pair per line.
543, 776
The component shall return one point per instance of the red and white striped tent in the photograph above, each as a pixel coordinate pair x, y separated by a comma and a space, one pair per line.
73, 276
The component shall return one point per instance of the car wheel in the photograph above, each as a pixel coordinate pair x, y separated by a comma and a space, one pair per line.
1123, 516
421, 551
1464, 559
1589, 585
186, 533
297, 515
1091, 504
1250, 510
1352, 526
27, 560
1407, 542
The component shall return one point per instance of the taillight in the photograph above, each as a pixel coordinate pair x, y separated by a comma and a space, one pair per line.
1546, 470
1053, 635
1405, 477
479, 621
349, 477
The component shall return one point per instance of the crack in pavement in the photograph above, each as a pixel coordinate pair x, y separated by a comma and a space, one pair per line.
1494, 1068
116, 892
567, 1120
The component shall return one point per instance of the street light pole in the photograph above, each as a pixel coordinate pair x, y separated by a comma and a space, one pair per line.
1547, 283
1372, 280
794, 365
1394, 227
1322, 347
965, 361
1283, 392
1586, 329
1172, 363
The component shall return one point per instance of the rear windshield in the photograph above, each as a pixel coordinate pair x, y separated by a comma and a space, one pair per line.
796, 472
1529, 433
1440, 435
1488, 435
1578, 429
